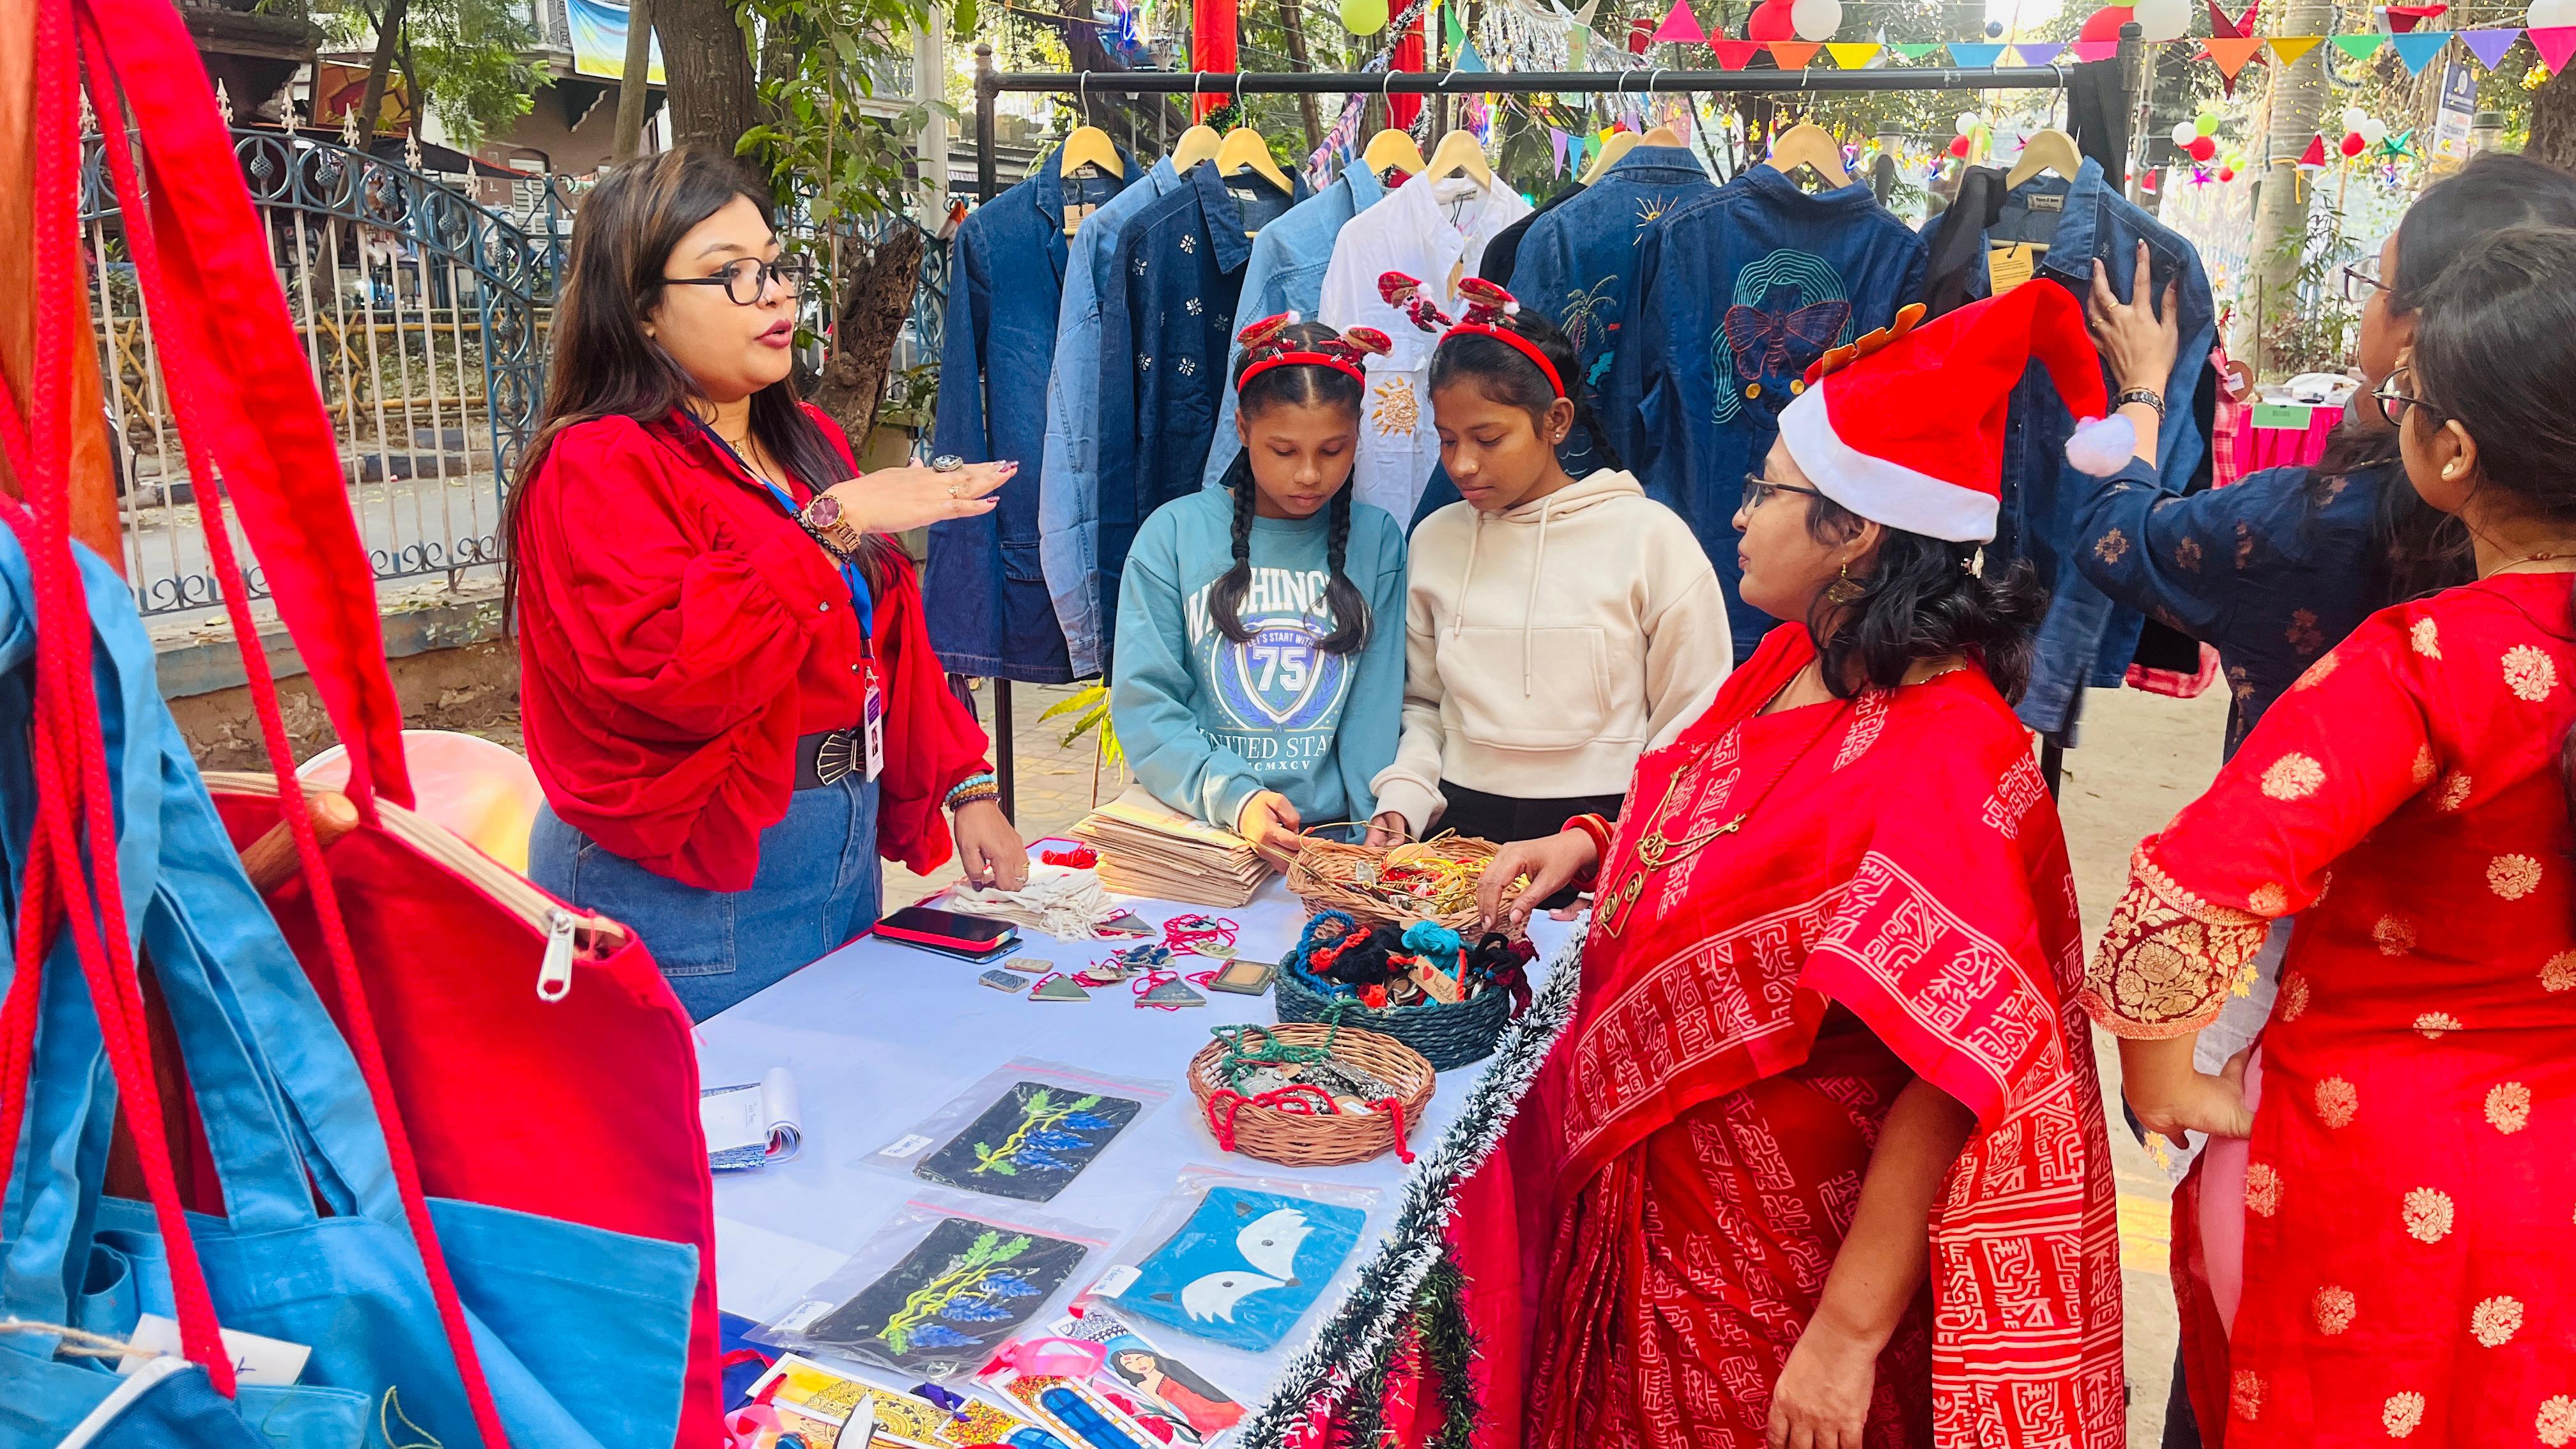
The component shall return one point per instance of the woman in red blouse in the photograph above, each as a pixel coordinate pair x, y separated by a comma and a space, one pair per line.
728, 690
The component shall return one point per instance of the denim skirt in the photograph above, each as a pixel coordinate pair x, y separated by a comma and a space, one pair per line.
817, 888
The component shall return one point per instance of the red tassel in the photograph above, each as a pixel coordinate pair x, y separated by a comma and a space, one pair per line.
1212, 27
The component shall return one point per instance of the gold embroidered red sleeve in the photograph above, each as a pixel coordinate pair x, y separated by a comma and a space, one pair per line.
2169, 959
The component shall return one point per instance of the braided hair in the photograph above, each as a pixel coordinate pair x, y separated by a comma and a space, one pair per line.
1505, 374
1305, 385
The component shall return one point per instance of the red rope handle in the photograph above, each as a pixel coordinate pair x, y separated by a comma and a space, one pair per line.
1395, 1110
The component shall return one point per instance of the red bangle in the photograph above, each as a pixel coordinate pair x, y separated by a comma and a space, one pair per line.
1599, 829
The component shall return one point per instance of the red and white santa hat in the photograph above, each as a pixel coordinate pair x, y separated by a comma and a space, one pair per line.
1906, 425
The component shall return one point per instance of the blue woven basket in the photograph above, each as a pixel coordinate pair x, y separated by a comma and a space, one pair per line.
1449, 1036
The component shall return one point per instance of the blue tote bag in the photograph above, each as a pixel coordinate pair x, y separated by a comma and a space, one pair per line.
582, 1333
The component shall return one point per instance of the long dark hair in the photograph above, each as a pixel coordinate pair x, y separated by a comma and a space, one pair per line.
2416, 549
605, 367
1924, 600
1179, 1373
1504, 374
2496, 351
1304, 384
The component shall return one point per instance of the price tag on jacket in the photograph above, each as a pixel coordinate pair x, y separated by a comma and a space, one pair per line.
2009, 266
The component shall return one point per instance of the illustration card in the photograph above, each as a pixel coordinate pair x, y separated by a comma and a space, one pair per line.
1077, 1412
1159, 1391
941, 1310
1031, 1143
826, 1398
1244, 1268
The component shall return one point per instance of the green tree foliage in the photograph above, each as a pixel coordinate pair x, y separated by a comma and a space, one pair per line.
466, 60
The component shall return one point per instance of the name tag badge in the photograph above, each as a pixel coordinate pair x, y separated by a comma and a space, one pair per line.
875, 718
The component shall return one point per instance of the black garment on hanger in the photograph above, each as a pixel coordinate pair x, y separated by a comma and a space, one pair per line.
1957, 266
1505, 249
2097, 114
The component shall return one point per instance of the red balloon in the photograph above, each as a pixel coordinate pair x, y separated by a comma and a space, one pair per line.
2105, 23
2202, 148
1771, 22
1959, 147
2226, 173
2353, 145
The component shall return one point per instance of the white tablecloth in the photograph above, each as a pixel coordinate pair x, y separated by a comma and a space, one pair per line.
880, 1036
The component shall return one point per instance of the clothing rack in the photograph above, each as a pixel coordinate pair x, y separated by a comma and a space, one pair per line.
990, 84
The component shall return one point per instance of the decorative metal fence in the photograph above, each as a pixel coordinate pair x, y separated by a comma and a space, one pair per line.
423, 316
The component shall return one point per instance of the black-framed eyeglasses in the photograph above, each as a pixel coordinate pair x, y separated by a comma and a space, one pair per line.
2362, 278
2393, 404
1758, 490
746, 280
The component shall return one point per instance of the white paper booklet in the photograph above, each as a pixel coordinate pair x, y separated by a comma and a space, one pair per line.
753, 1124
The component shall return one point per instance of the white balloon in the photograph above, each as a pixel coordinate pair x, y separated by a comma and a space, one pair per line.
1816, 19
1967, 123
2185, 132
2547, 13
2353, 116
2373, 130
2162, 19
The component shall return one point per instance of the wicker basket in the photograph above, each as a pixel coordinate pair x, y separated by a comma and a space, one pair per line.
1296, 1140
1334, 875
1447, 1036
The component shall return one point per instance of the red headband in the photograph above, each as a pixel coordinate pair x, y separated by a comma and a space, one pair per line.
1265, 343
1487, 305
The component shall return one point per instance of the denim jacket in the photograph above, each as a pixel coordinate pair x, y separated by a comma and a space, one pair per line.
1286, 273
1733, 295
984, 592
1068, 501
2086, 638
1166, 324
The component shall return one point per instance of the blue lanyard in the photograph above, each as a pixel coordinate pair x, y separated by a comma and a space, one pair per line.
862, 599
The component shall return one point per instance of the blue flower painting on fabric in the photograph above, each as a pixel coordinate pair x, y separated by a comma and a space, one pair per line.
1030, 1144
940, 1311
1244, 1268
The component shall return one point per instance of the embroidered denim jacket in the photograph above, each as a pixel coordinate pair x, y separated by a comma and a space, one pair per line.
1732, 297
984, 591
1167, 314
1286, 273
2086, 638
1069, 501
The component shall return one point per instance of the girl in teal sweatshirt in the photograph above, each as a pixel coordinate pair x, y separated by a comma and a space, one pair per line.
1259, 673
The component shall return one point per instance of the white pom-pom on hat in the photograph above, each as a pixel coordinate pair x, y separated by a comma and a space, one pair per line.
2103, 446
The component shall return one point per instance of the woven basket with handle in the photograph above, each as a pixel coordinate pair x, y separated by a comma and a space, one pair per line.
1319, 1139
1335, 875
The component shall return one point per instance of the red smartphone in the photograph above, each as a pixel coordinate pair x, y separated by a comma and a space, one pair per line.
954, 932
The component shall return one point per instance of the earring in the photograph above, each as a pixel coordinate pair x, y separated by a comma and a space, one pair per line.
1844, 588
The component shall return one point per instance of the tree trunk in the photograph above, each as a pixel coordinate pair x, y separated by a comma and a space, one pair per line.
707, 63
634, 88
2553, 122
388, 36
2298, 102
1291, 22
874, 303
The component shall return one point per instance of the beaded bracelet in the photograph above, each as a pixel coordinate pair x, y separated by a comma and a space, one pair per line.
979, 786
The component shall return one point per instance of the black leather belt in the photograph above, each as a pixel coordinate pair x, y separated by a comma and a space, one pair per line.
827, 757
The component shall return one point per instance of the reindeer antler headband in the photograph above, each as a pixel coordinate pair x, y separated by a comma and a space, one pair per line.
1266, 342
1487, 306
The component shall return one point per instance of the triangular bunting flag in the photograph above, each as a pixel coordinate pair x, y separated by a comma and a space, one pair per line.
2231, 56
2315, 155
1852, 54
1556, 147
1914, 51
2089, 51
2490, 45
1794, 54
2417, 48
2034, 52
1680, 26
2360, 47
1468, 60
1734, 54
2556, 44
1974, 57
1456, 34
2287, 51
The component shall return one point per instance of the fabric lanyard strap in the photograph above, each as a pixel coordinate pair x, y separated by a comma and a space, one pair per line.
862, 599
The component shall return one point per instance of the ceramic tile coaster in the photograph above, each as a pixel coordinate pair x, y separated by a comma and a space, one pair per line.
1003, 981
1030, 964
1060, 988
1172, 993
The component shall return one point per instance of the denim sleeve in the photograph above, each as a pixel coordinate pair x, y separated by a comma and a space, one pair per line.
1636, 404
1113, 500
959, 427
1068, 482
2181, 448
1261, 298
2161, 553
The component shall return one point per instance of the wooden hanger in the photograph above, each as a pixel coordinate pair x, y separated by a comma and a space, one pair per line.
1197, 144
1460, 151
1808, 144
1392, 150
1091, 145
1619, 144
1661, 136
2046, 150
1244, 149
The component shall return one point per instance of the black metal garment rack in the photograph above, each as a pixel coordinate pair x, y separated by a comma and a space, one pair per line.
990, 83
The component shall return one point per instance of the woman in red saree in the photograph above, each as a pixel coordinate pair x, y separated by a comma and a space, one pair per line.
2410, 1196
1819, 1163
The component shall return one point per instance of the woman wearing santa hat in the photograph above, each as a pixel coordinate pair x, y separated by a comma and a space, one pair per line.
1820, 1159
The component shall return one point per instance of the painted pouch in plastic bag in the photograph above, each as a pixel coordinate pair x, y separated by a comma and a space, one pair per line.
1238, 1260
1025, 1132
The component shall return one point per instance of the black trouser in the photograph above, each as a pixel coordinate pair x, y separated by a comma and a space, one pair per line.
1503, 819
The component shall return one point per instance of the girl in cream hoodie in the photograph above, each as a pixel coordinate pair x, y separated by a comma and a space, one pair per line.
1554, 625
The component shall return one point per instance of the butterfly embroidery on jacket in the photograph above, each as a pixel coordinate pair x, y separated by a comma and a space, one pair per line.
1781, 344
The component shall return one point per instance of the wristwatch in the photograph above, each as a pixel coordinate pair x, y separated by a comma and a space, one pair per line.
824, 518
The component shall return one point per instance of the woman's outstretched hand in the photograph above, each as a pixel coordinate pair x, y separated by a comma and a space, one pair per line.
2137, 344
895, 500
1551, 864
